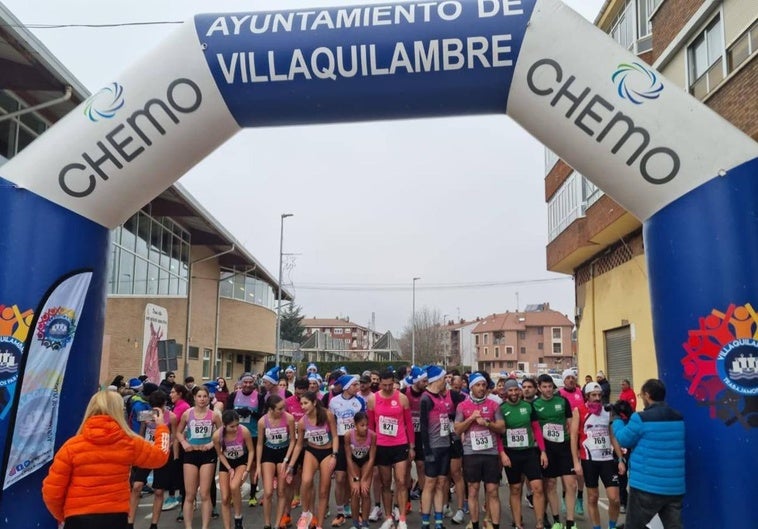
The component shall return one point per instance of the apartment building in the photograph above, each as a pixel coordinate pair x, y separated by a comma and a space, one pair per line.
706, 47
535, 340
354, 337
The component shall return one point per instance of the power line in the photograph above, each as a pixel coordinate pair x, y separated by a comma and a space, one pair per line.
398, 287
95, 26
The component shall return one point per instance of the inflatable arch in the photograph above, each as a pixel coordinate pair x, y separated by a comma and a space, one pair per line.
688, 174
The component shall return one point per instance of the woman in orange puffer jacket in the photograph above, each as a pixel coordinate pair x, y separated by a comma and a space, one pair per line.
88, 483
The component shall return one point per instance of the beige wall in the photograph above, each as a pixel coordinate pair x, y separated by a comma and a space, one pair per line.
243, 327
621, 295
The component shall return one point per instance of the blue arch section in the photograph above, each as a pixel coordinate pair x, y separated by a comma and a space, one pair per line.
64, 242
368, 61
702, 258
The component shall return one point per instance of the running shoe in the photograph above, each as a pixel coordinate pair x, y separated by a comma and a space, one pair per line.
180, 518
396, 513
375, 514
214, 513
408, 508
348, 511
415, 494
339, 520
387, 524
286, 520
170, 503
465, 507
305, 520
238, 523
447, 512
557, 525
252, 502
530, 500
622, 510
402, 525
295, 502
364, 525
579, 508
563, 505
458, 517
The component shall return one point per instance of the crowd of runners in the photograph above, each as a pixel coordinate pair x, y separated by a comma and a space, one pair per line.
298, 440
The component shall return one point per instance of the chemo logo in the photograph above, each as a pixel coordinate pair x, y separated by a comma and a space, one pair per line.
56, 328
722, 365
105, 103
636, 83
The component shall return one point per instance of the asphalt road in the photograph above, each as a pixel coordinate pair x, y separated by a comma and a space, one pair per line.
253, 516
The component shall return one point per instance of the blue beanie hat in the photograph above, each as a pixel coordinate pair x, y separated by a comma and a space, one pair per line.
416, 374
135, 384
312, 368
346, 381
476, 377
290, 368
434, 373
272, 375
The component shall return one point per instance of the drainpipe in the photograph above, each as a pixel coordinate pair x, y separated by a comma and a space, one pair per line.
189, 305
64, 97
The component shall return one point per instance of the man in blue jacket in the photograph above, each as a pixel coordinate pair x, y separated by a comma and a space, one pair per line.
656, 465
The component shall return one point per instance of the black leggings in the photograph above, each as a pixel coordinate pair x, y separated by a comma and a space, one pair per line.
117, 520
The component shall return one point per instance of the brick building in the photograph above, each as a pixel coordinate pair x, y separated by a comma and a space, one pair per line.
535, 340
707, 47
355, 337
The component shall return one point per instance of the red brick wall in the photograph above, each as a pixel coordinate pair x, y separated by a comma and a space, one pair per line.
669, 20
737, 99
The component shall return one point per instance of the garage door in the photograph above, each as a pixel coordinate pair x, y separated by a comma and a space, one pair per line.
618, 356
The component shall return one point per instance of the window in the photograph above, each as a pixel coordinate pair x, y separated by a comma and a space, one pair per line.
705, 59
486, 337
228, 371
239, 284
623, 28
337, 330
565, 206
476, 339
523, 350
194, 353
556, 333
540, 330
557, 348
149, 256
497, 352
508, 350
206, 363
522, 335
486, 351
540, 346
743, 47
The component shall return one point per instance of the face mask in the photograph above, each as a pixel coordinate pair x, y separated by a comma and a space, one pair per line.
595, 407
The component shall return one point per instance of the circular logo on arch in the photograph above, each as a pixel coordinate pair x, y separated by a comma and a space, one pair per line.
10, 356
720, 364
737, 365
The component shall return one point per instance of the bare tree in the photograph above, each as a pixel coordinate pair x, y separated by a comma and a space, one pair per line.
428, 337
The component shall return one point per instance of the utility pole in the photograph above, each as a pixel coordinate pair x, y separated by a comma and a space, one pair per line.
279, 297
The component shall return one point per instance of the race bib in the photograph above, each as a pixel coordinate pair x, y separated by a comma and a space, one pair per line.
388, 426
202, 429
481, 440
233, 452
317, 437
444, 425
597, 439
553, 432
344, 425
416, 423
359, 452
277, 436
517, 438
150, 435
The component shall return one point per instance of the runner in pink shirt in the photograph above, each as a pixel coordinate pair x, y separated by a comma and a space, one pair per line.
296, 410
390, 417
573, 393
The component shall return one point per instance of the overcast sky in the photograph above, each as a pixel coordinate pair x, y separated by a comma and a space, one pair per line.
454, 201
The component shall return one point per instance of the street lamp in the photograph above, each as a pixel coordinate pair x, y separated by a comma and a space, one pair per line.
413, 324
279, 297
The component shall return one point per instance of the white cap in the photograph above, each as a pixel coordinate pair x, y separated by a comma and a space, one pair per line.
592, 386
567, 373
